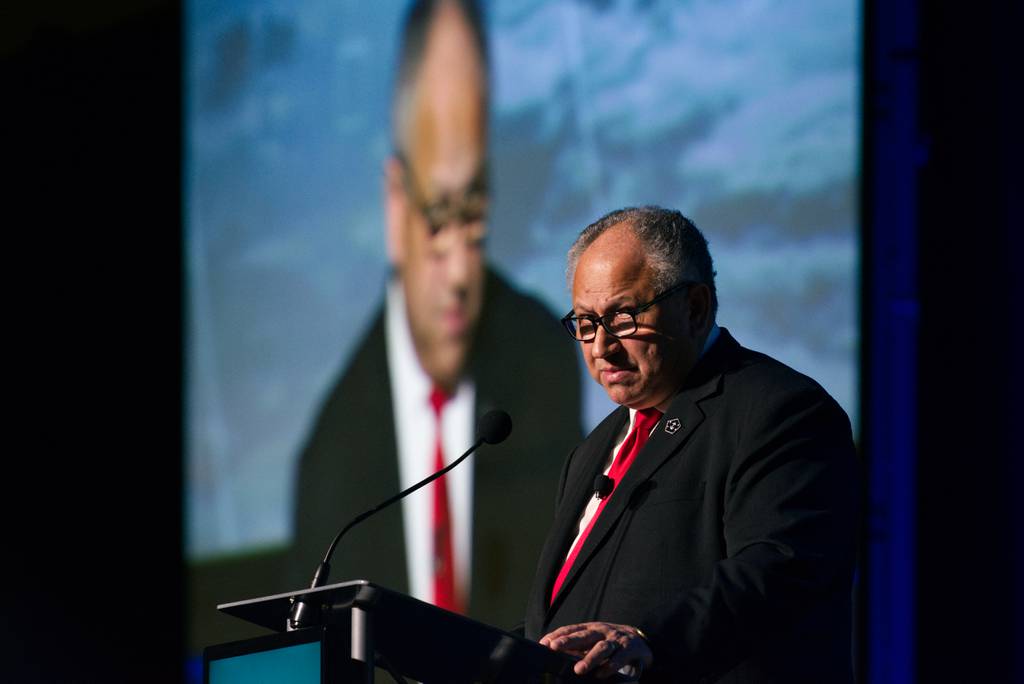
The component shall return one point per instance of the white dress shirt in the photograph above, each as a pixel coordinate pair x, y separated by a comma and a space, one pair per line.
415, 437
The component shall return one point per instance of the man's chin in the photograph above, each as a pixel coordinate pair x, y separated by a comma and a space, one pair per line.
621, 394
447, 365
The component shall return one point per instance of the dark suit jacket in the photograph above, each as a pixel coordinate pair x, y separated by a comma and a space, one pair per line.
521, 362
731, 541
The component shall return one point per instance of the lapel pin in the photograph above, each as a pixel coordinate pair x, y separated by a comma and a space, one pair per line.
672, 426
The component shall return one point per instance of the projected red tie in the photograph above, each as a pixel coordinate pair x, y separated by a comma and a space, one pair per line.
646, 419
444, 560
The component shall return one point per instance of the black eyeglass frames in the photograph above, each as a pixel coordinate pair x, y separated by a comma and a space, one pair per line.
620, 323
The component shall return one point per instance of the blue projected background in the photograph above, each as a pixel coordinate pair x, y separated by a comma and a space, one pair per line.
742, 114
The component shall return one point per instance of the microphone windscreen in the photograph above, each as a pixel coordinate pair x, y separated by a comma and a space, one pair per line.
603, 486
494, 426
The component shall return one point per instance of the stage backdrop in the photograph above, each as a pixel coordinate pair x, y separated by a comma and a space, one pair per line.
743, 114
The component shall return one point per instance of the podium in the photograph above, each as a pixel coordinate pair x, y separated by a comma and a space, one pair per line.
360, 627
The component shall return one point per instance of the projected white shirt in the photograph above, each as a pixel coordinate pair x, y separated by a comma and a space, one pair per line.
414, 436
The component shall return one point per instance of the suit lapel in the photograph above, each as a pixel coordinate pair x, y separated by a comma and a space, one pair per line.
670, 435
661, 446
591, 456
579, 491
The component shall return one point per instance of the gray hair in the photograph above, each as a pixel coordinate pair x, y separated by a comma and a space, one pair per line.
675, 249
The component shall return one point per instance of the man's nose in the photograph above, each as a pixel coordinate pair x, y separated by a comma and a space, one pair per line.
457, 259
604, 343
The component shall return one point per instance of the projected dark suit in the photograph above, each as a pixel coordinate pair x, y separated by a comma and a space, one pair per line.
520, 362
730, 541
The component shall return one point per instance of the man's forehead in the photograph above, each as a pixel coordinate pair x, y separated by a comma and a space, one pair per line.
615, 255
446, 139
447, 151
611, 280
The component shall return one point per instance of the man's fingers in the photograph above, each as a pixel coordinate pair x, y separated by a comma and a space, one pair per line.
551, 636
601, 653
572, 637
603, 648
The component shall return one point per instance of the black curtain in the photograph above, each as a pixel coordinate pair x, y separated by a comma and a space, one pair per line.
971, 381
92, 505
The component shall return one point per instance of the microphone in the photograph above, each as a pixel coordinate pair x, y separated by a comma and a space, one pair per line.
492, 428
603, 486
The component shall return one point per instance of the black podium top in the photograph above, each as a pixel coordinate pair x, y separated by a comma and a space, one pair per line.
272, 611
410, 633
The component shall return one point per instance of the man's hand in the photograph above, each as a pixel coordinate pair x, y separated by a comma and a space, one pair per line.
604, 648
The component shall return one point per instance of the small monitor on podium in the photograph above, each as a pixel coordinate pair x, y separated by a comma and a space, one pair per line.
285, 658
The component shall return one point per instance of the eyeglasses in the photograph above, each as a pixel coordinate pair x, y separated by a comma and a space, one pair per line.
466, 210
618, 323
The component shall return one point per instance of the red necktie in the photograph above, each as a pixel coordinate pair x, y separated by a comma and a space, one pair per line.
444, 561
646, 419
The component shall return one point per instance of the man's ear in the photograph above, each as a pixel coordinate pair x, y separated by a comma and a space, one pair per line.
699, 299
395, 210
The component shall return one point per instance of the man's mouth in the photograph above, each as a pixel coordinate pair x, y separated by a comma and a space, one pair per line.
615, 374
455, 322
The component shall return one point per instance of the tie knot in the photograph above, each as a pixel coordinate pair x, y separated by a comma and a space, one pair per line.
438, 398
647, 418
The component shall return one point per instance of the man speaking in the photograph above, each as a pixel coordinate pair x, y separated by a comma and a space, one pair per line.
707, 529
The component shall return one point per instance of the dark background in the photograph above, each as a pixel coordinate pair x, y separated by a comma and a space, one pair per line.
971, 412
93, 479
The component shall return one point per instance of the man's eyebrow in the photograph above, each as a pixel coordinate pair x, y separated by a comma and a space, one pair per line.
478, 183
613, 307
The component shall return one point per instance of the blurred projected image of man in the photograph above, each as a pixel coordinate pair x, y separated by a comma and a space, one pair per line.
451, 341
